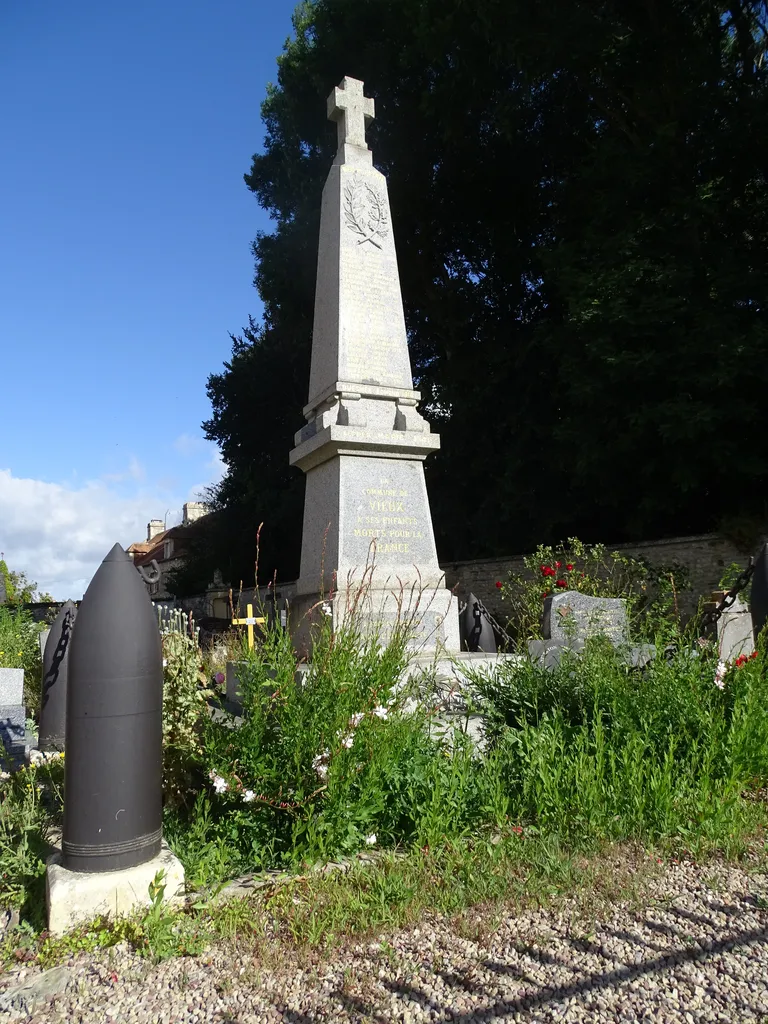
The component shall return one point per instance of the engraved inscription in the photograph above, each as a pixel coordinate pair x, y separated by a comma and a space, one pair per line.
385, 518
365, 211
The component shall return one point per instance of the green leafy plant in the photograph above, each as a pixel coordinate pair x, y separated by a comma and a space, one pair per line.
31, 801
20, 648
730, 576
184, 706
160, 931
593, 751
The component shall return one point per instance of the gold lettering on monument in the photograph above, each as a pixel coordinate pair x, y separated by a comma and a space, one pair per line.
391, 532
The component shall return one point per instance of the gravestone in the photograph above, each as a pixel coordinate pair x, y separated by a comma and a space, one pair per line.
734, 632
572, 616
367, 537
13, 716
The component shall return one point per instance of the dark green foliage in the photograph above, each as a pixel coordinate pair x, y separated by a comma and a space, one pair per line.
16, 588
578, 194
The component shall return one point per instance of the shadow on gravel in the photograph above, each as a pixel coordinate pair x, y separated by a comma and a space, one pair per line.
593, 983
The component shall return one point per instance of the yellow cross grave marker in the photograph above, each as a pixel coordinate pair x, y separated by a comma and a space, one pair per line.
250, 622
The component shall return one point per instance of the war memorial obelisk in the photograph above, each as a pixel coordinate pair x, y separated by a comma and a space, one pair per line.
364, 442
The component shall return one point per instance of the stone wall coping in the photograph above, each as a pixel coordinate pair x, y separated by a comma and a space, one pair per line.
712, 538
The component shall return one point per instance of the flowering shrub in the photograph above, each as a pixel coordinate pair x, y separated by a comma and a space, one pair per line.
724, 667
184, 705
330, 758
650, 591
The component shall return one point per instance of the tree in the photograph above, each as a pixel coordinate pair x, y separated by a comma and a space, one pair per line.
578, 197
17, 588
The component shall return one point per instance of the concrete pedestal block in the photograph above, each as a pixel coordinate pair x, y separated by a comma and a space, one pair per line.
73, 897
433, 615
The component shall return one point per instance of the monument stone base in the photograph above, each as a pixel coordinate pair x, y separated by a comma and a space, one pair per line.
73, 897
431, 614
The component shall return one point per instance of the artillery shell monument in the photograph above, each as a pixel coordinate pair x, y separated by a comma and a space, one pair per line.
367, 535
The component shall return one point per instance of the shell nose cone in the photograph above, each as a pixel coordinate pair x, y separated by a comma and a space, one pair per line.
117, 554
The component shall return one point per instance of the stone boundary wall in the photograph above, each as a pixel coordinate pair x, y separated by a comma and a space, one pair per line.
705, 556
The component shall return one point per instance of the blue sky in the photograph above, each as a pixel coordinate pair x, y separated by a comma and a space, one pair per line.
125, 232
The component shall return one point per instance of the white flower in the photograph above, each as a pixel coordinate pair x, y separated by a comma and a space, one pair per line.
722, 668
322, 771
248, 796
319, 765
371, 839
219, 784
381, 712
356, 719
326, 608
348, 741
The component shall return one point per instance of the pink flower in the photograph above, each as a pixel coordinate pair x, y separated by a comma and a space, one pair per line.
219, 677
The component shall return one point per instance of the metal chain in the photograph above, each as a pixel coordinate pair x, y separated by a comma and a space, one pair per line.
711, 617
484, 611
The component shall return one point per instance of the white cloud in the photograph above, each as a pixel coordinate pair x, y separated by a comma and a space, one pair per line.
58, 535
135, 471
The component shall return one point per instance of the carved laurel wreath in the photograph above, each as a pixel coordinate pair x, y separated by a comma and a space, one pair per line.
365, 211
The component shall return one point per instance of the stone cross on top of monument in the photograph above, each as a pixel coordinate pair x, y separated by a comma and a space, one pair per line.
352, 111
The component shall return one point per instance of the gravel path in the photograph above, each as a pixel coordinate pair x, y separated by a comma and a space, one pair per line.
693, 947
